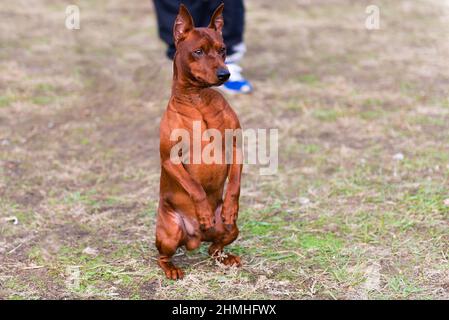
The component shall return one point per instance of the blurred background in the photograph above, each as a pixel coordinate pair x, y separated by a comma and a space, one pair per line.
358, 209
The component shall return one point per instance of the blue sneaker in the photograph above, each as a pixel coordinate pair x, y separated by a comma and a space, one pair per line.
236, 82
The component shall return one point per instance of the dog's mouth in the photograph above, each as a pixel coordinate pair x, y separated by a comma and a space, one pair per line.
205, 83
219, 82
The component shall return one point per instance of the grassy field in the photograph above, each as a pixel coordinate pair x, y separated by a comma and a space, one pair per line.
358, 210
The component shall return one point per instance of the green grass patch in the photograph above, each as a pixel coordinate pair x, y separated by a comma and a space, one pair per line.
324, 243
372, 102
6, 100
311, 148
370, 114
42, 100
329, 115
403, 286
93, 270
259, 228
44, 94
426, 200
91, 199
309, 79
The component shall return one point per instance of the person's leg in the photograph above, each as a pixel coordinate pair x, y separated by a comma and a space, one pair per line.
234, 27
166, 12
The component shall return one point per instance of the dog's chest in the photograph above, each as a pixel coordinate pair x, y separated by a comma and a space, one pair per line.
210, 176
207, 147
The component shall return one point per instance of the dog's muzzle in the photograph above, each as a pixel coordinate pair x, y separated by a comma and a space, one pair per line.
223, 74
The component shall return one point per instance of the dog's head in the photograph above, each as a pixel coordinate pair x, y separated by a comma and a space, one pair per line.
201, 52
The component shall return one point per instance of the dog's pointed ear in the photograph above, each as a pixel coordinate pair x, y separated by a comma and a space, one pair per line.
183, 24
217, 21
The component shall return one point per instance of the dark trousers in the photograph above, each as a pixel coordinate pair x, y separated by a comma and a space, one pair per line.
201, 11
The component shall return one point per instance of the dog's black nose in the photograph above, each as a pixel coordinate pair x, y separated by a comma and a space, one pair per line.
223, 74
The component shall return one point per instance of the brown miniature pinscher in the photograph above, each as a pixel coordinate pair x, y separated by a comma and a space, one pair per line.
193, 203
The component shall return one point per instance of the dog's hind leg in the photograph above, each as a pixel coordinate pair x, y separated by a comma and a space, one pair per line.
216, 249
169, 236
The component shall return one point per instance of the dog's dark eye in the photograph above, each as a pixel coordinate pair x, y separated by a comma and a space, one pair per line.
222, 51
198, 52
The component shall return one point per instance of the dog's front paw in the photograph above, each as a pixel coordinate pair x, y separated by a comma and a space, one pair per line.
206, 228
229, 215
207, 225
206, 217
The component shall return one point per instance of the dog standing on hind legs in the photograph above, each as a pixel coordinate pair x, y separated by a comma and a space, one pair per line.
194, 205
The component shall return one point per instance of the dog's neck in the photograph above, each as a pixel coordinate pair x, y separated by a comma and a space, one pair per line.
183, 90
186, 94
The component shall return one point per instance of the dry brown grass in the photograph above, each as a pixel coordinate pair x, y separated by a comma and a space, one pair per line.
79, 115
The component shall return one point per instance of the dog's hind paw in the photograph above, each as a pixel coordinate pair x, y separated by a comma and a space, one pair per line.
229, 260
232, 260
